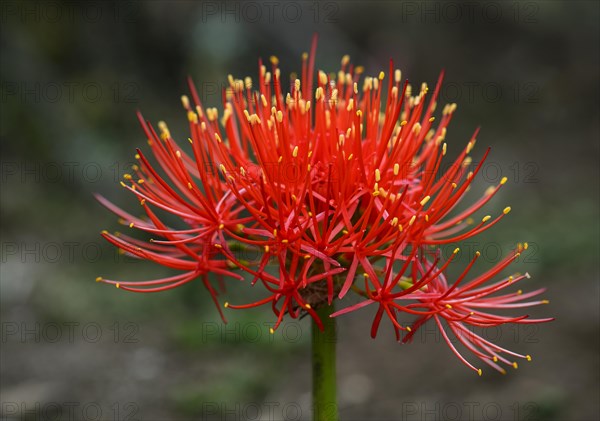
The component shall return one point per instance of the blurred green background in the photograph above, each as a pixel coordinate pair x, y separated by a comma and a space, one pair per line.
74, 73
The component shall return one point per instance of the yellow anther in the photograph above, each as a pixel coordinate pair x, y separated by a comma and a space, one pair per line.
307, 306
118, 285
131, 225
479, 371
506, 210
99, 278
397, 75
477, 253
350, 157
381, 75
412, 220
432, 119
495, 359
545, 301
448, 306
221, 226
425, 200
396, 169
185, 101
504, 180
525, 246
456, 250
528, 357
377, 175
394, 221
515, 365
226, 304
486, 218
218, 246
295, 152
271, 331
444, 147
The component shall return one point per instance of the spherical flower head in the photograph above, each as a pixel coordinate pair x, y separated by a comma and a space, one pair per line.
314, 186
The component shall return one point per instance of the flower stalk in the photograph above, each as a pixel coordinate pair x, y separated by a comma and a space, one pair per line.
324, 367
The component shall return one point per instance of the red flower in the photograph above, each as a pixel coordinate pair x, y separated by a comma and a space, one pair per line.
429, 296
303, 190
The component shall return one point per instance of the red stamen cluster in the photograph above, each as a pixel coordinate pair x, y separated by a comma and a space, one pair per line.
318, 192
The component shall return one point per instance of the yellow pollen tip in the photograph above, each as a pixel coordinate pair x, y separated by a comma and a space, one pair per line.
528, 357
525, 246
448, 306
408, 328
131, 225
226, 304
295, 152
486, 218
515, 365
381, 75
425, 200
432, 119
221, 226
274, 60
307, 306
456, 250
545, 301
118, 285
479, 371
412, 220
477, 253
377, 175
506, 210
504, 180
495, 359
271, 331
99, 278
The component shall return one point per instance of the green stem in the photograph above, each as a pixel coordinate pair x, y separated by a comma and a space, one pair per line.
323, 367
